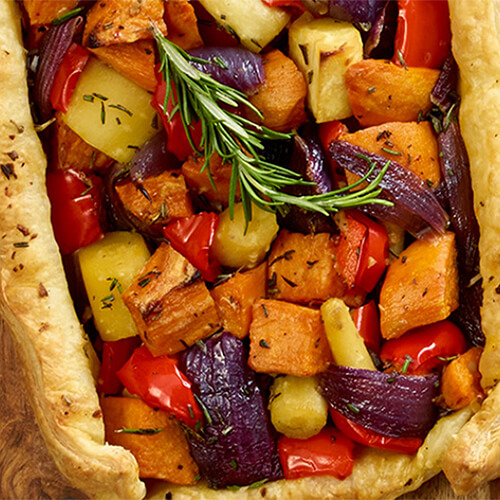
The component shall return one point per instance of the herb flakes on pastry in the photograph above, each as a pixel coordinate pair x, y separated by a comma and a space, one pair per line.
179, 271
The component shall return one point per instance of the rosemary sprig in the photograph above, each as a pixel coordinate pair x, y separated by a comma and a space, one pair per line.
239, 141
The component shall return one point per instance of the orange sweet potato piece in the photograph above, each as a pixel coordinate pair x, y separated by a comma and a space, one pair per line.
168, 198
136, 61
461, 380
122, 21
380, 91
182, 24
234, 299
287, 338
171, 307
421, 286
199, 181
281, 98
44, 12
301, 268
69, 150
413, 145
163, 454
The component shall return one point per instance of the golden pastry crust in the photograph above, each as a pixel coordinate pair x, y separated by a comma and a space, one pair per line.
475, 456
59, 360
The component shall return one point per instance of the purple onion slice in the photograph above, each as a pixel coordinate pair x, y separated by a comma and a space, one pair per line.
360, 11
235, 445
413, 200
444, 94
53, 47
389, 403
233, 66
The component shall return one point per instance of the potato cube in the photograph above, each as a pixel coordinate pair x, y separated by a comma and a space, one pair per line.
171, 307
297, 408
108, 267
323, 49
287, 338
421, 286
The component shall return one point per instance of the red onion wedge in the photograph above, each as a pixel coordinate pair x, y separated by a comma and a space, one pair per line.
444, 94
53, 47
414, 202
233, 66
391, 404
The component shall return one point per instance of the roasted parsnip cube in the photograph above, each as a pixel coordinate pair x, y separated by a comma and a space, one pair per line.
301, 268
108, 267
287, 338
234, 299
254, 23
421, 286
347, 345
168, 198
170, 304
323, 49
297, 408
110, 112
380, 91
156, 440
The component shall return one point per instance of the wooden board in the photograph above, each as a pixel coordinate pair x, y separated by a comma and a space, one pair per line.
28, 471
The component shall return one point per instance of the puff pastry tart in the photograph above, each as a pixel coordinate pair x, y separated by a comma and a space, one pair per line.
196, 321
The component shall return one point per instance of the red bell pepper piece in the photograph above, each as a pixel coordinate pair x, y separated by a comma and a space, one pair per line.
177, 139
67, 77
423, 35
76, 202
363, 251
424, 349
330, 131
193, 237
328, 453
367, 322
159, 382
296, 4
373, 439
114, 356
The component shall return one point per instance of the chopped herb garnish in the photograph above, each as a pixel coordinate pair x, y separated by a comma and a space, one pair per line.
353, 408
121, 108
289, 282
233, 487
401, 60
144, 282
392, 152
372, 89
88, 98
201, 345
234, 464
204, 409
67, 16
258, 483
264, 344
22, 244
196, 478
103, 113
190, 410
264, 310
406, 364
100, 96
115, 284
449, 358
227, 430
145, 432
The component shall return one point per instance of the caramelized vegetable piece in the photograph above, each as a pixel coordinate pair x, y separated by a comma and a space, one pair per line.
198, 180
168, 198
182, 25
281, 98
155, 439
413, 145
461, 380
122, 21
171, 307
234, 299
287, 338
302, 268
69, 150
134, 60
44, 12
380, 92
421, 287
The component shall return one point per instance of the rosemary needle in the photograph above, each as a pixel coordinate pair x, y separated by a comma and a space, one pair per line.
238, 141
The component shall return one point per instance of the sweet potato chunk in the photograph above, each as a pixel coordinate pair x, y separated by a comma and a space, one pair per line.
281, 98
134, 60
168, 198
71, 151
380, 91
44, 11
182, 24
122, 21
287, 338
421, 286
413, 145
199, 181
161, 454
461, 380
234, 299
171, 307
302, 268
